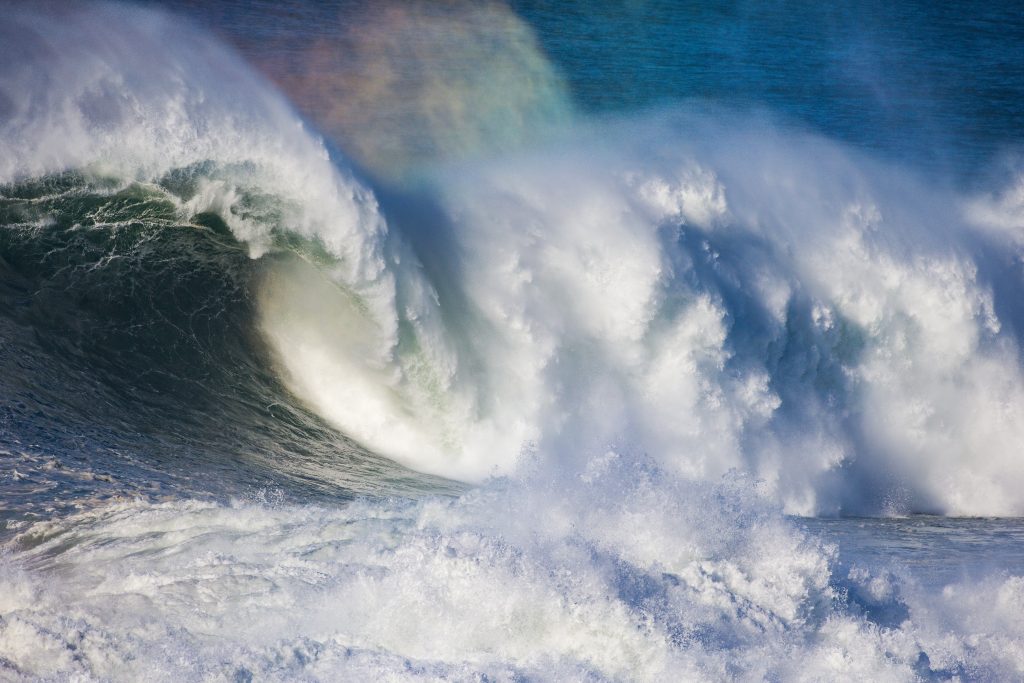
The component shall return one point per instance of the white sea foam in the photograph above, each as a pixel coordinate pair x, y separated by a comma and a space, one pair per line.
131, 93
719, 295
647, 341
830, 324
619, 577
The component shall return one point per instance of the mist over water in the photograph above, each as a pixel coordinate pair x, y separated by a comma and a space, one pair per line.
449, 367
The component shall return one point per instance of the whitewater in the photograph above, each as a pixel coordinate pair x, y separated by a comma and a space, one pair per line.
390, 396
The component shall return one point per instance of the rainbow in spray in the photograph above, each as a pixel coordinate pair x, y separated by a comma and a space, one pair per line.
518, 394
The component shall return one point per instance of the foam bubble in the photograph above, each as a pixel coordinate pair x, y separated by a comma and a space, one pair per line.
824, 322
627, 574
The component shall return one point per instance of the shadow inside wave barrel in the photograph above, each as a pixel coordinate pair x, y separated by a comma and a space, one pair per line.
130, 365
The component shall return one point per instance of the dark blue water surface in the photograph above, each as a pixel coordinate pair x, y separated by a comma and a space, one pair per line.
931, 82
938, 86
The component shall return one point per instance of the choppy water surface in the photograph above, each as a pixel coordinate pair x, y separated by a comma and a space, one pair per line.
937, 551
487, 341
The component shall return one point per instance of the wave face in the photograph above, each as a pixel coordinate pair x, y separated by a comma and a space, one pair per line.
762, 301
139, 192
643, 344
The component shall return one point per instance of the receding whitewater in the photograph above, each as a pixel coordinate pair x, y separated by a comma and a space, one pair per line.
401, 342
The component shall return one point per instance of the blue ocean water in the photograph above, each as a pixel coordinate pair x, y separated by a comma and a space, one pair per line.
511, 341
937, 87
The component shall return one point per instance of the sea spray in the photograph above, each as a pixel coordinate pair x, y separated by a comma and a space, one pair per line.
800, 312
645, 343
714, 289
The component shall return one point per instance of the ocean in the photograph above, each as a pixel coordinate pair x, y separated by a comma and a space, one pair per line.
511, 341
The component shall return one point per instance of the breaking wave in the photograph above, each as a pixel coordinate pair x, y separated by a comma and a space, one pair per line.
646, 342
